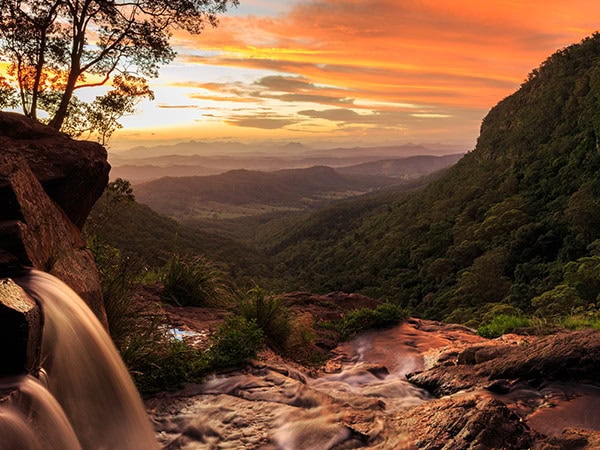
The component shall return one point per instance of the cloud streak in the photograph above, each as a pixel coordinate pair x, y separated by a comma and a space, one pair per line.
380, 67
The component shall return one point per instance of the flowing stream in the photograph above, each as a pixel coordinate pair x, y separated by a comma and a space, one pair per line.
275, 406
84, 398
88, 388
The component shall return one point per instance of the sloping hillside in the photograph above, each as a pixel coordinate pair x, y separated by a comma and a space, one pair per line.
406, 168
142, 233
510, 221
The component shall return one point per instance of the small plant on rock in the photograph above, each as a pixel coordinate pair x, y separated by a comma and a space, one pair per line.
269, 314
236, 340
502, 324
385, 315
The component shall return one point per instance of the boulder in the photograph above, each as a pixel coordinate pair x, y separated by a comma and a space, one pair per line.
567, 356
20, 331
470, 421
73, 173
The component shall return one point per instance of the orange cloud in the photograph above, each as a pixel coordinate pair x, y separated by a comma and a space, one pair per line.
461, 52
390, 69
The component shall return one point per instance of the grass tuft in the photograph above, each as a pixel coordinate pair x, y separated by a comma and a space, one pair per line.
195, 282
385, 315
502, 324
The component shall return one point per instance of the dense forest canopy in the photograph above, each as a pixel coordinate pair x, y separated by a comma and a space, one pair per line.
505, 225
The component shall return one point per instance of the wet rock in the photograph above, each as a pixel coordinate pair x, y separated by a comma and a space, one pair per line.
445, 380
573, 356
73, 173
20, 331
43, 237
571, 440
466, 422
481, 353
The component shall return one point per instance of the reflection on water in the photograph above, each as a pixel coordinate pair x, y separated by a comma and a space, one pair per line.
554, 406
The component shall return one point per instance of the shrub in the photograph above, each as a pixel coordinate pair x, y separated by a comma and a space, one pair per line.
581, 322
559, 301
492, 310
195, 282
156, 361
385, 315
269, 314
164, 366
235, 341
502, 324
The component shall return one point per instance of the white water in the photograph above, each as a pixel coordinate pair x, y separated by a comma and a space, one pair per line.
32, 419
85, 375
277, 407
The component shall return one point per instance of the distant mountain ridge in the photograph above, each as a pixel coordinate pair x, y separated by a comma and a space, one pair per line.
181, 166
242, 192
292, 150
410, 168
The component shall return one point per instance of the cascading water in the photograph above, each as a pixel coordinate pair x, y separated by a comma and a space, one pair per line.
86, 379
32, 419
274, 406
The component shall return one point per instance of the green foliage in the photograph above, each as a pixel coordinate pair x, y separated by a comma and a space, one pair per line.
195, 282
503, 324
556, 302
117, 193
269, 314
118, 279
493, 310
137, 230
583, 318
580, 287
385, 315
237, 340
159, 362
155, 359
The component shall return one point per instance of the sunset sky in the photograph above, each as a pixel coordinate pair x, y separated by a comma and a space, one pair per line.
353, 71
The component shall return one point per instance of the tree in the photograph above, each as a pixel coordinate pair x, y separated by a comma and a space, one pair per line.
56, 47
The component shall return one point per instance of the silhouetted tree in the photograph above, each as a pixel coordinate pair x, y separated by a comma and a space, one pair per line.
56, 47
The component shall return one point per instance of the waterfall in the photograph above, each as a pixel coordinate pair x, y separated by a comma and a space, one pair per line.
86, 379
32, 419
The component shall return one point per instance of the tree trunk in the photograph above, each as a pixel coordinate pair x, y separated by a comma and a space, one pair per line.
61, 113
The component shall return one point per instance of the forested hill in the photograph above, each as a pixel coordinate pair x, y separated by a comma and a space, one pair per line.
245, 192
516, 221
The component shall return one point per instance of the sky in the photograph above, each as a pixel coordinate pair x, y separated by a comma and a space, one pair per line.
368, 72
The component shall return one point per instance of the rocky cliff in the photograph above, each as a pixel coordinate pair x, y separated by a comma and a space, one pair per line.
48, 184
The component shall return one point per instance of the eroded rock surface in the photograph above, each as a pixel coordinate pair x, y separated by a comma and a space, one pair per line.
73, 173
466, 422
48, 184
504, 393
49, 241
572, 356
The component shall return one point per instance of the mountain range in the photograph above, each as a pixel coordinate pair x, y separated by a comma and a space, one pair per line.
148, 169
